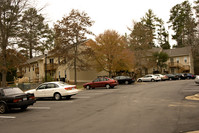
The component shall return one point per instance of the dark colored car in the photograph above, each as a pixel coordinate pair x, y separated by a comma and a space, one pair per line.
14, 98
190, 76
181, 76
172, 76
124, 80
101, 82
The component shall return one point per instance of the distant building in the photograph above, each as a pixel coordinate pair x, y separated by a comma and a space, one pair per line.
180, 61
55, 69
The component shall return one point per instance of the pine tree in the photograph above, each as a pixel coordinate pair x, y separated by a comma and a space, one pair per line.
35, 34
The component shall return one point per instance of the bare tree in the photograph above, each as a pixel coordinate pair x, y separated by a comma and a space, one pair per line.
70, 34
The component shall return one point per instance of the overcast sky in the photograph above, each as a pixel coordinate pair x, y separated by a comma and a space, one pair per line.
109, 14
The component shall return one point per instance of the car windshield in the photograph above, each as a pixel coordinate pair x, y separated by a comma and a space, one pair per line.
11, 91
62, 83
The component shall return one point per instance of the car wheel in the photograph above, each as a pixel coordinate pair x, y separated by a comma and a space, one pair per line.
108, 86
57, 96
152, 80
139, 80
2, 108
126, 82
88, 87
170, 78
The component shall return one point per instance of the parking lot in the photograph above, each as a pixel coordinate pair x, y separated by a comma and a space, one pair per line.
158, 107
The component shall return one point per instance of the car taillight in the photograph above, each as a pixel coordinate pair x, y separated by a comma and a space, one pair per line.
70, 88
32, 97
17, 100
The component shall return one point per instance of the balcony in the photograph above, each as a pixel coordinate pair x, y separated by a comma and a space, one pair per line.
179, 65
186, 67
174, 65
51, 67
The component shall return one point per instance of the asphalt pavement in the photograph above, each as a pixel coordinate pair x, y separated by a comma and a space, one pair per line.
151, 107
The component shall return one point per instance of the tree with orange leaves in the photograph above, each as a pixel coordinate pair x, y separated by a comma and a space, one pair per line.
111, 53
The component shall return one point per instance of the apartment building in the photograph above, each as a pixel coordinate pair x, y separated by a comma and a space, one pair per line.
180, 60
35, 69
56, 69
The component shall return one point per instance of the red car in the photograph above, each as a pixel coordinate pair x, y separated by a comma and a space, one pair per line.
101, 82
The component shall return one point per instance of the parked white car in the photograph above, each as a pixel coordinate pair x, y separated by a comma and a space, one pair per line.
163, 77
55, 90
149, 77
197, 79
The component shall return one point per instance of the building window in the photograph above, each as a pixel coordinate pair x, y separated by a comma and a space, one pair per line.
33, 67
185, 59
51, 61
177, 60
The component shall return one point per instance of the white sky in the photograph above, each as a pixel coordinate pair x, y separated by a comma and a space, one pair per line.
109, 14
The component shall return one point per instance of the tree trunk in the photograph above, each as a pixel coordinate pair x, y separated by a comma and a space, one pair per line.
75, 65
4, 74
4, 69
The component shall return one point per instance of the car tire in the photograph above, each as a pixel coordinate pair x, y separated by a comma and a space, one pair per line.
108, 86
139, 80
126, 82
2, 108
57, 96
170, 78
152, 80
88, 87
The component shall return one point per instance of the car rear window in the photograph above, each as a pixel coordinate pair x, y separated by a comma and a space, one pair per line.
62, 83
11, 91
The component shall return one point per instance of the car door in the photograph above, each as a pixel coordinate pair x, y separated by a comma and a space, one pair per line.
50, 89
118, 79
40, 91
104, 82
96, 83
147, 78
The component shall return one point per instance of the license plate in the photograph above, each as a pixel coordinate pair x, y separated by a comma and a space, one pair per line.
25, 98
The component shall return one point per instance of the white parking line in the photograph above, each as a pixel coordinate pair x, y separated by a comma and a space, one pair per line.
55, 101
39, 107
82, 97
7, 117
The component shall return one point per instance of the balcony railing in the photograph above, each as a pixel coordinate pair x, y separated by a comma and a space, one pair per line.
178, 65
51, 67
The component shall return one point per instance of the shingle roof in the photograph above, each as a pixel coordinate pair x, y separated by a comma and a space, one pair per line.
178, 51
35, 59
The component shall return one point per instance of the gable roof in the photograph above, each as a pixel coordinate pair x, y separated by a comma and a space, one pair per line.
178, 51
35, 59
